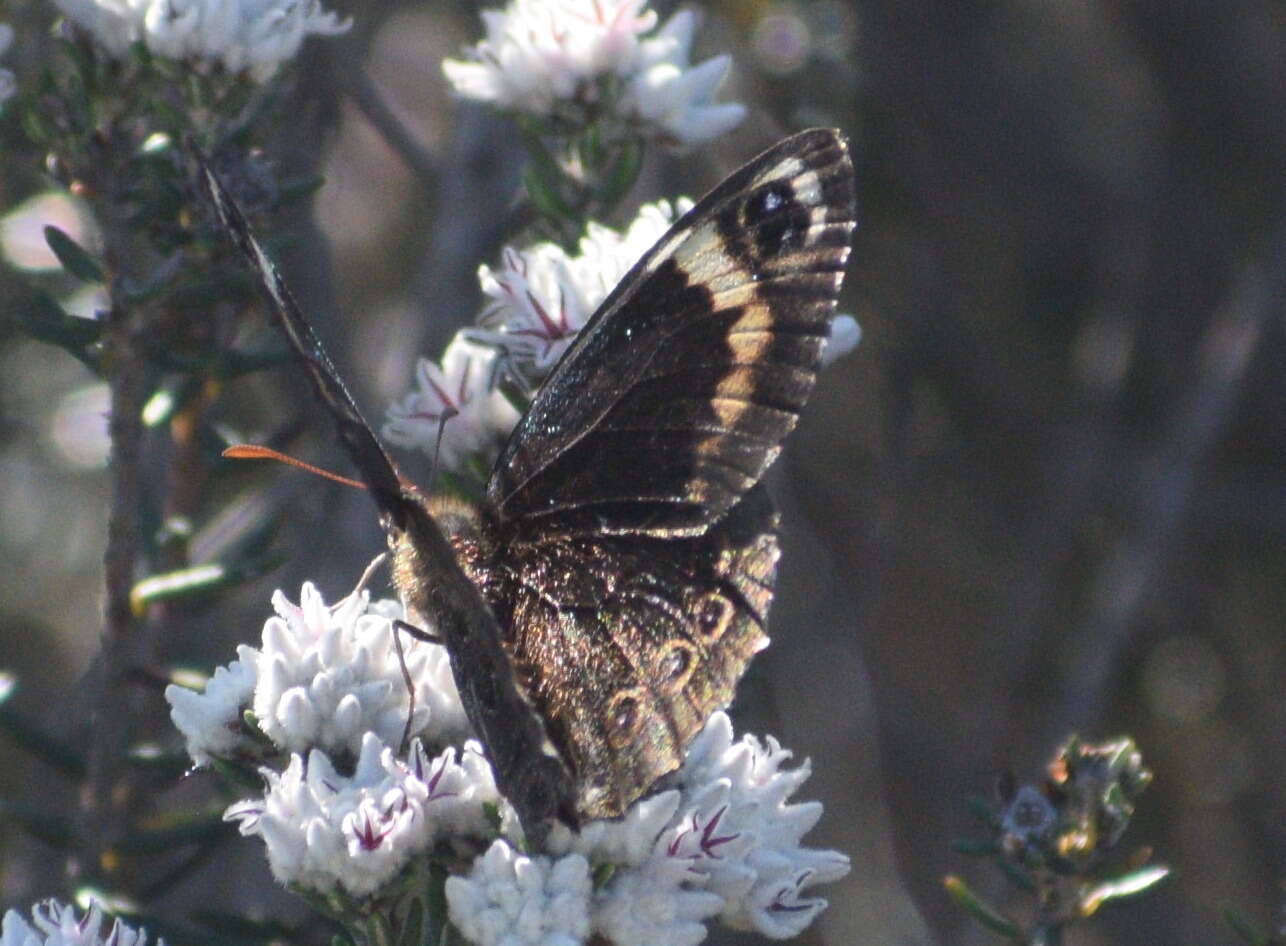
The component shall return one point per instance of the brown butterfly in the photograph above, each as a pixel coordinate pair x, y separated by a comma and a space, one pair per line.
609, 593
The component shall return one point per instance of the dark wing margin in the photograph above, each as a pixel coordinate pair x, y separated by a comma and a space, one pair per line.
676, 395
375, 466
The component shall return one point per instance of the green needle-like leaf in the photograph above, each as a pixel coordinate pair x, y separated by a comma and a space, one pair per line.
74, 257
1245, 929
199, 580
981, 911
622, 174
1127, 885
435, 907
1016, 875
237, 774
972, 847
31, 738
44, 320
544, 196
54, 830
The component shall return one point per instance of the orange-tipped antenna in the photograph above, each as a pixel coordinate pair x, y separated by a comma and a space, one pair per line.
250, 451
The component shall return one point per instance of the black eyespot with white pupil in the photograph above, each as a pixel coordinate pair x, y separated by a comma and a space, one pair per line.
771, 198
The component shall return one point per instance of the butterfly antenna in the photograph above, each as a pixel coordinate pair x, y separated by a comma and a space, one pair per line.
252, 451
375, 466
447, 414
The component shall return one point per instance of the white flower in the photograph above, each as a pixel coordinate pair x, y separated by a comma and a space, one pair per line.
323, 830
56, 924
462, 389
8, 84
211, 719
656, 902
509, 899
251, 35
329, 675
325, 677
724, 843
627, 841
541, 297
740, 792
678, 99
539, 54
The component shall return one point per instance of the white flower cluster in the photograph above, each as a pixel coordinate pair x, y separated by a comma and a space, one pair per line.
255, 36
56, 924
537, 300
346, 813
540, 54
323, 678
324, 829
8, 84
513, 899
327, 689
724, 844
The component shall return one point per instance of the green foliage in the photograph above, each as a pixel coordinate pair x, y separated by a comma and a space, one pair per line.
1054, 840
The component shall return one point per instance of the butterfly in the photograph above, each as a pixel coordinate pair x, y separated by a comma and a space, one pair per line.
610, 590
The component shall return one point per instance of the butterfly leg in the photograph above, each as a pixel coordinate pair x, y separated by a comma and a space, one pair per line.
399, 628
418, 633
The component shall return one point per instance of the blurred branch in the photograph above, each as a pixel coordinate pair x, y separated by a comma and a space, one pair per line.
112, 723
346, 65
1128, 573
470, 211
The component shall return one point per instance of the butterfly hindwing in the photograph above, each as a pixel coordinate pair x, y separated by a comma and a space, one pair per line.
627, 644
675, 397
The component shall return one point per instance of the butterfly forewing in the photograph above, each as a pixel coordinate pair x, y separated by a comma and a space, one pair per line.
675, 397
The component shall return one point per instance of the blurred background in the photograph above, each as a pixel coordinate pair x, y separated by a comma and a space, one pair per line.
1047, 493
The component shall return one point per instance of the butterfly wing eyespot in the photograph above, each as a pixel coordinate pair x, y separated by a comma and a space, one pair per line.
624, 717
712, 613
675, 666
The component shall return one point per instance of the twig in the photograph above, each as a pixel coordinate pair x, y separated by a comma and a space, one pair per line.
1122, 583
110, 698
472, 206
370, 101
